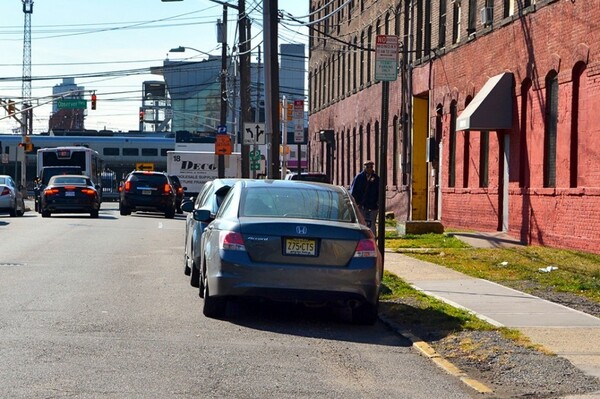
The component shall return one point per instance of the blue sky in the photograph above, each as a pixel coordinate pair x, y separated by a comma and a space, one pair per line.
103, 36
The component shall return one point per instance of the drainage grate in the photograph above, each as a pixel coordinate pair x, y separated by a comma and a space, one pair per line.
12, 264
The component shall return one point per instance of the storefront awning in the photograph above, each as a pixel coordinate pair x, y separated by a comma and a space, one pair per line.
492, 107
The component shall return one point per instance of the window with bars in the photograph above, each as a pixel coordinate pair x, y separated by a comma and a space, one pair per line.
551, 122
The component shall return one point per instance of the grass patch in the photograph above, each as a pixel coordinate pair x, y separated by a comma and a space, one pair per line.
577, 272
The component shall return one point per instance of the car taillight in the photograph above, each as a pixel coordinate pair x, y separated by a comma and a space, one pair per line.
180, 190
51, 191
167, 188
88, 191
366, 248
69, 188
127, 185
5, 191
232, 241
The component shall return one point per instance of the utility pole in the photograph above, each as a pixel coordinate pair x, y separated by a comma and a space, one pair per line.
27, 116
244, 47
272, 85
223, 119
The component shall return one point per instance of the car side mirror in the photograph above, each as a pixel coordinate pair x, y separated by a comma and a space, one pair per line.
202, 215
187, 206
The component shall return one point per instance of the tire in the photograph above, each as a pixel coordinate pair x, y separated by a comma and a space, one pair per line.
365, 314
170, 213
124, 211
45, 214
195, 273
20, 213
186, 268
94, 213
13, 211
214, 307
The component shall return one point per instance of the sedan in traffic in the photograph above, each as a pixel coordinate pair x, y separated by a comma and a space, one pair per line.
70, 194
210, 199
290, 241
11, 197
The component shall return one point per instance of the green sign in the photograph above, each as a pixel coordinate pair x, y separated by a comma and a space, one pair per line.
255, 155
71, 103
255, 165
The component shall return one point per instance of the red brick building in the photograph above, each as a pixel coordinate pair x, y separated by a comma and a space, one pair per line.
491, 120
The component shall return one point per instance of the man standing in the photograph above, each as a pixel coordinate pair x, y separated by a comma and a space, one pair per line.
365, 190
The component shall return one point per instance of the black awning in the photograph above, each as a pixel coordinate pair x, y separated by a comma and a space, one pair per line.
492, 107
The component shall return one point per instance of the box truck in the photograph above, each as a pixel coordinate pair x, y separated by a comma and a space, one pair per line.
194, 168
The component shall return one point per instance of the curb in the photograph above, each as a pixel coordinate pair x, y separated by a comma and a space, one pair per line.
428, 351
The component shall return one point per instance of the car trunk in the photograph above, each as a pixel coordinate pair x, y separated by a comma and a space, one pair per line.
304, 243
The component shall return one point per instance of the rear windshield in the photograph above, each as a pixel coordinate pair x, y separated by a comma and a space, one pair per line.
150, 179
311, 177
308, 203
71, 180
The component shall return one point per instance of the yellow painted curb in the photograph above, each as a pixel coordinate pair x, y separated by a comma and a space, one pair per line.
427, 350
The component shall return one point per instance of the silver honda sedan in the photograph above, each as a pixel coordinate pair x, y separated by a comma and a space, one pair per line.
11, 197
290, 241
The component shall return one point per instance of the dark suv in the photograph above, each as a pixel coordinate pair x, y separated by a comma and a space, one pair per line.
147, 191
46, 173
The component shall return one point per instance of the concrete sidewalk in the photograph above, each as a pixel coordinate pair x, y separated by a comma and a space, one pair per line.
566, 332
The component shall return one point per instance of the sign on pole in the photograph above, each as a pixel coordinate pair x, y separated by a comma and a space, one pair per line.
386, 57
254, 133
298, 121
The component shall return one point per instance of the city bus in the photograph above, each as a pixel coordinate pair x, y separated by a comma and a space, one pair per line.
87, 159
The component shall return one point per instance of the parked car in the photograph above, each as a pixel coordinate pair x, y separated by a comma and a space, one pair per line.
70, 194
11, 197
308, 176
210, 199
48, 172
147, 191
290, 241
179, 191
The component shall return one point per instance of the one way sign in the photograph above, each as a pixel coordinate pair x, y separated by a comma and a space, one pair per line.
254, 133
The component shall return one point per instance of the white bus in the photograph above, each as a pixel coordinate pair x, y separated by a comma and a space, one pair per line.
88, 160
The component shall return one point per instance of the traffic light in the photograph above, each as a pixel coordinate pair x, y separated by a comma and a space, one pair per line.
11, 107
94, 101
28, 147
141, 116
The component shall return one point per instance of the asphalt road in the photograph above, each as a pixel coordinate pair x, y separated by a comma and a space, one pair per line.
100, 308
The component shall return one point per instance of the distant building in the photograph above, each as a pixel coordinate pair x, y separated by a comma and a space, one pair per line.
68, 119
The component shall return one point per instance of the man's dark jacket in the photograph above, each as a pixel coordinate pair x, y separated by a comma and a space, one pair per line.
365, 190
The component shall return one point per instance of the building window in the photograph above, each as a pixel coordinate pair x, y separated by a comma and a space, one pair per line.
361, 145
419, 31
472, 20
377, 142
111, 151
368, 155
508, 8
362, 59
354, 64
163, 151
484, 158
442, 24
550, 128
354, 157
452, 147
343, 71
524, 156
369, 54
427, 22
348, 167
456, 17
576, 101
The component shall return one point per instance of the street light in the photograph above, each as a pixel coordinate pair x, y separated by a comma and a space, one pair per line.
181, 49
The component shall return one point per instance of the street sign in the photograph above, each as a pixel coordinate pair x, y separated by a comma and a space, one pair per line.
254, 155
298, 121
223, 144
147, 166
222, 129
71, 103
386, 57
254, 133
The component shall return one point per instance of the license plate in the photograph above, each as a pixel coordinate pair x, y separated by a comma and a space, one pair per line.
300, 246
146, 192
69, 193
